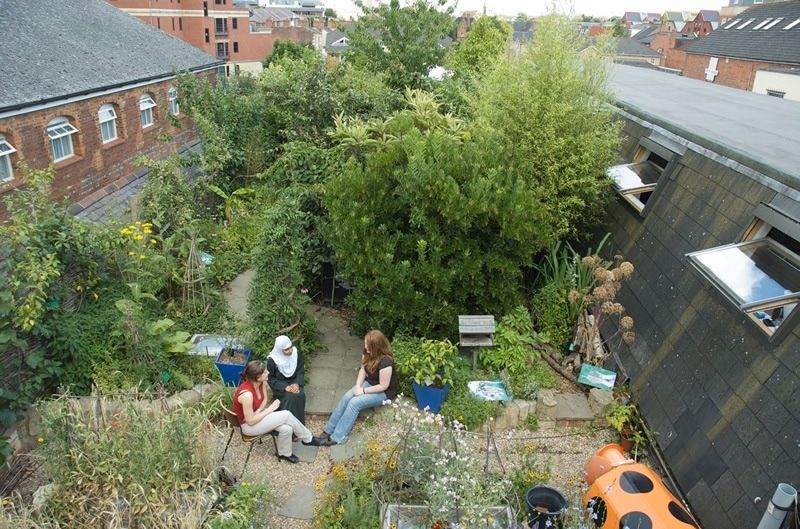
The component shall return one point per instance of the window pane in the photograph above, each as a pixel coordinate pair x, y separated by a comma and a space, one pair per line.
5, 168
643, 175
109, 130
752, 272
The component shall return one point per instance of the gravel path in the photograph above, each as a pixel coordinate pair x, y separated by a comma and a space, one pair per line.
563, 451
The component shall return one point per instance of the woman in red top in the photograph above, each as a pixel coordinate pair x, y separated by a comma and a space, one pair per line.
257, 418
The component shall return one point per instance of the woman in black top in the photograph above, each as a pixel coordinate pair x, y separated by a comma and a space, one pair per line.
376, 383
286, 372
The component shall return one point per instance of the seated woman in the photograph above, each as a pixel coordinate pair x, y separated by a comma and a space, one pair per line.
376, 383
285, 366
257, 418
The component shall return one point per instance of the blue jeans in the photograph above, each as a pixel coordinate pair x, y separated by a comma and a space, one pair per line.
344, 415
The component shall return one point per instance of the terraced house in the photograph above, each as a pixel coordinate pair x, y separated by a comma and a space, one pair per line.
89, 101
708, 211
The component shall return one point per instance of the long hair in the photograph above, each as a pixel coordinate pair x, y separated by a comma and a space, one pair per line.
377, 346
252, 370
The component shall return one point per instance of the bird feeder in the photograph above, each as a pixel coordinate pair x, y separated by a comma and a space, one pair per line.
476, 332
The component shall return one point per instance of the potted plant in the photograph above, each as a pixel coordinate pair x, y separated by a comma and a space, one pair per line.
432, 367
231, 359
624, 418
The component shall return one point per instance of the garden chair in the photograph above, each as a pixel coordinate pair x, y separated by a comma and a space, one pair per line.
233, 422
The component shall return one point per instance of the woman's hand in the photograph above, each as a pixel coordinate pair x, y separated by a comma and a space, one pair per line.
293, 388
274, 406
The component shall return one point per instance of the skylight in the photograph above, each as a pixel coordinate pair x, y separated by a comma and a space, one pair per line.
762, 24
793, 24
731, 24
747, 23
773, 23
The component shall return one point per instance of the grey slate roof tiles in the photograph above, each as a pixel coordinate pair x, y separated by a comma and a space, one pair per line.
776, 44
61, 48
630, 47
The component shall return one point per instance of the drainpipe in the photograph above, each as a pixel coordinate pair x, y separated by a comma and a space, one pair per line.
781, 503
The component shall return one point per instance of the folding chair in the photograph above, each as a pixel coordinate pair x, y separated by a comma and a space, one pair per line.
233, 422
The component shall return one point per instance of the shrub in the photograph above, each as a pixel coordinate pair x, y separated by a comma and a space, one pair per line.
460, 405
515, 343
552, 311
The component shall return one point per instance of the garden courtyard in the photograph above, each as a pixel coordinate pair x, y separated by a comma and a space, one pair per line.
407, 202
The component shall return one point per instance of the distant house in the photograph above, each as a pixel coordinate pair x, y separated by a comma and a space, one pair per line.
464, 23
631, 18
674, 20
708, 212
647, 34
671, 48
704, 23
764, 36
336, 42
89, 100
522, 31
629, 50
778, 82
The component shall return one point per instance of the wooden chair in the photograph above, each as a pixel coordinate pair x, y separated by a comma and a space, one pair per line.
233, 422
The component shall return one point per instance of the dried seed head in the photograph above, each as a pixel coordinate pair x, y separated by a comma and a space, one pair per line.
629, 337
627, 268
588, 261
573, 296
601, 293
626, 322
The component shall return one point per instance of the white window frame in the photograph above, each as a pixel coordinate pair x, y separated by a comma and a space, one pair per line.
172, 97
746, 23
729, 25
146, 105
790, 25
108, 117
60, 132
759, 311
774, 23
6, 150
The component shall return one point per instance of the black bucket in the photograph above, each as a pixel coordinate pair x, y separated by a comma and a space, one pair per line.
545, 504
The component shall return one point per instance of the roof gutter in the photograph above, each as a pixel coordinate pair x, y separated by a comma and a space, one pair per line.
32, 106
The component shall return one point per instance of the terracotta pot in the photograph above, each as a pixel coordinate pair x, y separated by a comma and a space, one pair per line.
607, 458
626, 439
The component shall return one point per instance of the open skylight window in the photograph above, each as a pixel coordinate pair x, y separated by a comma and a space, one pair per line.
746, 23
773, 23
793, 24
731, 24
763, 23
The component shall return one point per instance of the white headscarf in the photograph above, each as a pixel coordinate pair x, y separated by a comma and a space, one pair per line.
287, 364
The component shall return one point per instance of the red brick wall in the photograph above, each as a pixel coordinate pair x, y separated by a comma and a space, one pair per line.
664, 43
95, 164
737, 73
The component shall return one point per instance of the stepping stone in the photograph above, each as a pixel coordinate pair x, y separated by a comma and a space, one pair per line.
325, 361
572, 410
319, 400
307, 454
300, 504
326, 377
237, 291
352, 449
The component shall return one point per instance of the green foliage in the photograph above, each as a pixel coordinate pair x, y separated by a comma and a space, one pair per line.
515, 344
364, 94
291, 49
242, 507
404, 350
552, 311
401, 42
482, 48
167, 197
460, 405
552, 104
276, 303
433, 363
420, 211
124, 464
528, 472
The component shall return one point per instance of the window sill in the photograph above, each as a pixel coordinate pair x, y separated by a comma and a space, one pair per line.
149, 128
113, 143
66, 162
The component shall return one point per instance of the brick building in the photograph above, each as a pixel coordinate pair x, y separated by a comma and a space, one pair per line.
708, 212
764, 36
704, 23
215, 26
87, 98
671, 48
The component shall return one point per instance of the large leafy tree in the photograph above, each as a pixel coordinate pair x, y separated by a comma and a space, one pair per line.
402, 42
482, 48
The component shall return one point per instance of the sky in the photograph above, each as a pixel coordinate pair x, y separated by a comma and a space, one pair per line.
540, 7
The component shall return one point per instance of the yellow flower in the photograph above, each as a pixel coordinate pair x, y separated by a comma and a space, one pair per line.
340, 509
147, 231
245, 483
392, 464
131, 254
153, 241
40, 440
139, 237
5, 502
141, 256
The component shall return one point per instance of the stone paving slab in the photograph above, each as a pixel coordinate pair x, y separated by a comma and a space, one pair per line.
352, 449
325, 377
572, 409
237, 291
300, 504
319, 400
307, 454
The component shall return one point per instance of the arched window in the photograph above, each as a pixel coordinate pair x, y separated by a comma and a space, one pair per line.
60, 132
146, 105
6, 167
172, 96
108, 123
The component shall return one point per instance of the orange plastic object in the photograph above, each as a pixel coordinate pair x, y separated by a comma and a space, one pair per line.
631, 495
608, 457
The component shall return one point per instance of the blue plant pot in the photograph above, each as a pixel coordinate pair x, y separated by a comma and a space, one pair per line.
430, 396
230, 372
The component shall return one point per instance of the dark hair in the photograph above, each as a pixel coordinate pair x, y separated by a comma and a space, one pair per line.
377, 346
252, 370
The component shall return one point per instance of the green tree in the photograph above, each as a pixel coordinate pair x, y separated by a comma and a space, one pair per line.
330, 14
402, 42
551, 103
619, 30
287, 48
482, 48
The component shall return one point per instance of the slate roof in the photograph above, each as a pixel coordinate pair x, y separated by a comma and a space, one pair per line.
262, 14
674, 16
708, 15
630, 47
333, 36
63, 48
776, 44
754, 129
646, 35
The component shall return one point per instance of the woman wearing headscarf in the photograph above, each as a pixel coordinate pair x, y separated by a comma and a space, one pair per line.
286, 372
